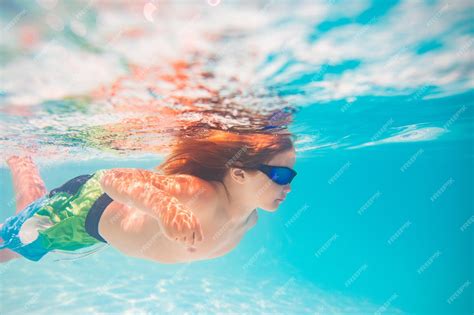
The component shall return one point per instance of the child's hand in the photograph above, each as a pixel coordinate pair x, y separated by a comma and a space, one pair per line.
182, 225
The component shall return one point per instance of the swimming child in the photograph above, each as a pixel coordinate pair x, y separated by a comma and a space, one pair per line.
197, 207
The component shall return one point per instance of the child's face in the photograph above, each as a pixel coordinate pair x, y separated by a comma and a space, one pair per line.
266, 191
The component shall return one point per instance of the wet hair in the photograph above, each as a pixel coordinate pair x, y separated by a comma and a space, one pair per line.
208, 153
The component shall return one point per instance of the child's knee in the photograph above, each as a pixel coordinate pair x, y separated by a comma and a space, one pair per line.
7, 255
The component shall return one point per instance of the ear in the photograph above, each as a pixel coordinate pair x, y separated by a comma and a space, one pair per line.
238, 175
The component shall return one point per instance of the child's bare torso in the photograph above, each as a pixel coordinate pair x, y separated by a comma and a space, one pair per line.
138, 234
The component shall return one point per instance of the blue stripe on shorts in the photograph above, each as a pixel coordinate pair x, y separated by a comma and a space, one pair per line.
11, 228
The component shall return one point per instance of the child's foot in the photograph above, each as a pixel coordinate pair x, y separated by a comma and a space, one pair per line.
15, 159
6, 254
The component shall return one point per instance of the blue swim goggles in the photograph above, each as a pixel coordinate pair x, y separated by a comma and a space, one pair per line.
281, 175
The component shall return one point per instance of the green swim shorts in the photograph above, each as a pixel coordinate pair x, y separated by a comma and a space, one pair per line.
65, 219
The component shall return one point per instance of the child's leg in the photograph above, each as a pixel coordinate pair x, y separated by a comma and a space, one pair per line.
26, 180
6, 254
28, 187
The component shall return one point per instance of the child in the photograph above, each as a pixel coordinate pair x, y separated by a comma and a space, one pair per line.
198, 208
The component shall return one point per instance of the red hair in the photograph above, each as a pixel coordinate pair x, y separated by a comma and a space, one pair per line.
207, 153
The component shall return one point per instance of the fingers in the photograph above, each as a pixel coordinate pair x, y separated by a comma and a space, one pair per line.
190, 233
186, 229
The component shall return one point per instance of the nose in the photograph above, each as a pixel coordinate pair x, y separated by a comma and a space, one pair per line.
287, 188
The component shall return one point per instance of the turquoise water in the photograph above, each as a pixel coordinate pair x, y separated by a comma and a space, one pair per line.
380, 216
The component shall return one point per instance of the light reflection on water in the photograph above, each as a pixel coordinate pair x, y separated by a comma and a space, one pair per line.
374, 85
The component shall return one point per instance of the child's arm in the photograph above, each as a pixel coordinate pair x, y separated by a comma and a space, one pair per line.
131, 187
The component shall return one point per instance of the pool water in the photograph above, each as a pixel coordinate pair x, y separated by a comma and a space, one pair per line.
379, 219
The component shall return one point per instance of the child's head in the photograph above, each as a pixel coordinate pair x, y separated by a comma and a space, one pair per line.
264, 185
235, 159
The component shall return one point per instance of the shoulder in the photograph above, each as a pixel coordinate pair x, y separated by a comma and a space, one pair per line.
165, 182
187, 188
